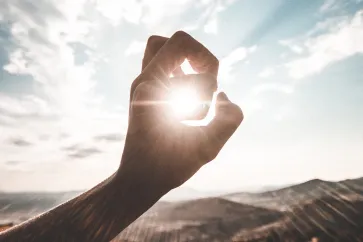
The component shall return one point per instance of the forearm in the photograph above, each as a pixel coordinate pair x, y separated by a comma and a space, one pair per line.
97, 215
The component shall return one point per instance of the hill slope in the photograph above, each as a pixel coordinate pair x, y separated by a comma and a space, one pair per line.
328, 210
208, 219
283, 199
328, 219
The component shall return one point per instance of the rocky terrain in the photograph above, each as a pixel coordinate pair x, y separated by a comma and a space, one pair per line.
316, 210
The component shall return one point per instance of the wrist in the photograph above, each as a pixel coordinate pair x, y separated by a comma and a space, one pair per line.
140, 182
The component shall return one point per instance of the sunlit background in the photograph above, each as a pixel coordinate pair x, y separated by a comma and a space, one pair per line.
295, 68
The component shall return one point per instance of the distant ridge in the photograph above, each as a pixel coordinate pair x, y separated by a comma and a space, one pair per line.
285, 197
330, 211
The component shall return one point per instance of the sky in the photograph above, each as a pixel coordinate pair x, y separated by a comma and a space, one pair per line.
294, 67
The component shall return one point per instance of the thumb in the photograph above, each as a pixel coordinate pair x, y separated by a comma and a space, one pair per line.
226, 121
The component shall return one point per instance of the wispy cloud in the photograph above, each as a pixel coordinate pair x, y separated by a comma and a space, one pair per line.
149, 13
12, 162
26, 107
267, 72
216, 7
339, 43
235, 56
112, 137
41, 38
328, 5
212, 26
297, 49
135, 47
79, 57
272, 86
80, 153
21, 142
116, 11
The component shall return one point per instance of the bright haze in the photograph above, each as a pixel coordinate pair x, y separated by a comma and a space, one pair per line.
295, 68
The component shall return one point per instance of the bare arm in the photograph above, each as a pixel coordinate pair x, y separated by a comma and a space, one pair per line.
97, 215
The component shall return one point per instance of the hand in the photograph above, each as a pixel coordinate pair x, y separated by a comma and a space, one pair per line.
159, 149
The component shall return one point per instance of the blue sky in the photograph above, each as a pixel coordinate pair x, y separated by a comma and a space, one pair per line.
294, 66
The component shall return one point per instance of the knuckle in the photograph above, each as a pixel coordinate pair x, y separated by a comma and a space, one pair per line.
155, 42
181, 34
152, 39
136, 83
181, 37
134, 86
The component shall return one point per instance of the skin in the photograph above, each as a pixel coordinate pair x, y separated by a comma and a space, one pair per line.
160, 152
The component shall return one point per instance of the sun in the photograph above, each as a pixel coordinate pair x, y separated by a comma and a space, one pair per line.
184, 101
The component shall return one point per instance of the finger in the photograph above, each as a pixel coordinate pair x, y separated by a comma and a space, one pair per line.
179, 47
148, 102
227, 119
153, 45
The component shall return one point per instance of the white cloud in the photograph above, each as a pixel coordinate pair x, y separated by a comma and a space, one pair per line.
328, 5
293, 47
342, 42
211, 27
135, 47
234, 57
42, 39
150, 13
115, 11
25, 106
251, 106
17, 63
283, 112
30, 120
64, 108
153, 14
267, 72
272, 86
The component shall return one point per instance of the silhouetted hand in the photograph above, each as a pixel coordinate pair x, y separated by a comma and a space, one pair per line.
159, 149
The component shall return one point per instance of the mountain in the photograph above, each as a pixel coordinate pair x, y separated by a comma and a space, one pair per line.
208, 209
18, 207
328, 219
282, 199
207, 219
187, 193
329, 211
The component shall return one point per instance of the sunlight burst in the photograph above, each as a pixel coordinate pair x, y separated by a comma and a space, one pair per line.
184, 101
